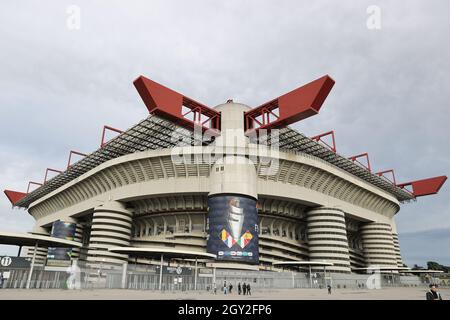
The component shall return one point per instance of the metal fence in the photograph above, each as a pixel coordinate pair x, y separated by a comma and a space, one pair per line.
148, 278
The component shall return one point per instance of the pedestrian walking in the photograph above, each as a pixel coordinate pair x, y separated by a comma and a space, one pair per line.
225, 288
230, 287
249, 289
239, 288
329, 289
244, 288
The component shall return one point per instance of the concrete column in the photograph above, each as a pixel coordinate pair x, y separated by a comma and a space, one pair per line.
327, 238
111, 227
378, 244
124, 275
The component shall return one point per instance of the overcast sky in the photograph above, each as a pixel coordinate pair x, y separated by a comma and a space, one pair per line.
59, 86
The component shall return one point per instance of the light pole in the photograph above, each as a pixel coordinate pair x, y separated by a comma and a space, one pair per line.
160, 272
310, 277
195, 279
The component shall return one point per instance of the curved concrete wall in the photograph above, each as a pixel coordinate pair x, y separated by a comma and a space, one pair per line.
397, 250
327, 238
111, 227
378, 244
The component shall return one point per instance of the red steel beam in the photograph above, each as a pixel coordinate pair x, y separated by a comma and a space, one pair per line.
32, 182
70, 156
14, 196
169, 104
47, 171
425, 187
362, 155
381, 174
333, 140
293, 106
105, 127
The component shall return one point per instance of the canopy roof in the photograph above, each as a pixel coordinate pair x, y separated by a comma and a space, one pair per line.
28, 239
303, 263
422, 271
157, 252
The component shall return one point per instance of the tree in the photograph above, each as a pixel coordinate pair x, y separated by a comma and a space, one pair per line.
432, 265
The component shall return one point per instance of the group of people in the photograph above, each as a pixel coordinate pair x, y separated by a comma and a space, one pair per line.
244, 289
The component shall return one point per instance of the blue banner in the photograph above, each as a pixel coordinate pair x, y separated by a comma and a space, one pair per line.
61, 256
233, 228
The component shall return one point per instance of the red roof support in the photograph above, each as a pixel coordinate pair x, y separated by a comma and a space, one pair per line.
47, 171
381, 174
291, 107
333, 140
70, 157
425, 187
362, 155
14, 196
105, 127
32, 182
169, 104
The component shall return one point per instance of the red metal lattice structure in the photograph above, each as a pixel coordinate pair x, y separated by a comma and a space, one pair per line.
382, 174
176, 107
30, 183
319, 138
105, 127
291, 107
48, 170
70, 157
14, 196
362, 155
425, 187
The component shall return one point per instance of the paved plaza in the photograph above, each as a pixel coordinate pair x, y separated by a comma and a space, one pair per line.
414, 293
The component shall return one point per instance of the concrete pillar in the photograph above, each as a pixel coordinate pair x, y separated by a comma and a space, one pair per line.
378, 244
327, 238
111, 227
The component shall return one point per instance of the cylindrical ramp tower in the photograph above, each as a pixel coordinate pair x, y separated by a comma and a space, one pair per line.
327, 238
397, 250
111, 227
78, 236
378, 244
396, 244
232, 213
76, 252
41, 253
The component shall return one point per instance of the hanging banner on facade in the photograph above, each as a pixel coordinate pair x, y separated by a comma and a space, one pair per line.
61, 256
233, 228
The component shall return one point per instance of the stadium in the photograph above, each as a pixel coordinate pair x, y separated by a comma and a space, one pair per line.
232, 190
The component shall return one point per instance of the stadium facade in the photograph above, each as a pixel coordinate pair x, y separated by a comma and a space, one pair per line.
232, 181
